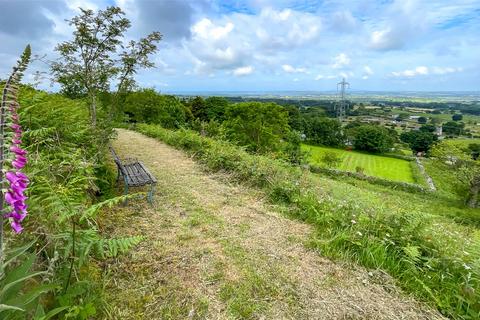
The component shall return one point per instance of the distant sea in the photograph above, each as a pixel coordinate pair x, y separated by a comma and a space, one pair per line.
422, 95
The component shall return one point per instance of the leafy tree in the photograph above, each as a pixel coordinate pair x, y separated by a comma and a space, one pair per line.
465, 170
260, 127
419, 141
453, 128
457, 117
150, 107
216, 108
90, 62
372, 138
199, 108
428, 128
294, 118
422, 120
324, 131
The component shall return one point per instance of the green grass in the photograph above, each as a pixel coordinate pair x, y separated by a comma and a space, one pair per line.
416, 238
374, 165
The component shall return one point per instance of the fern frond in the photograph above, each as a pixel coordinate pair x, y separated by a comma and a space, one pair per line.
110, 248
93, 210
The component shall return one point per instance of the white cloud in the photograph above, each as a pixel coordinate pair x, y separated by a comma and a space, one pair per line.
321, 76
367, 70
409, 73
340, 61
289, 69
285, 29
243, 71
207, 30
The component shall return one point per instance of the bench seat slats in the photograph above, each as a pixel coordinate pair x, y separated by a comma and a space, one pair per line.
138, 175
135, 174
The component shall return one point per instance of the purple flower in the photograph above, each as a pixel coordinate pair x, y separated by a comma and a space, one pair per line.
18, 151
16, 226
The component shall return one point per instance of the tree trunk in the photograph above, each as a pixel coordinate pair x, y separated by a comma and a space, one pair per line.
93, 110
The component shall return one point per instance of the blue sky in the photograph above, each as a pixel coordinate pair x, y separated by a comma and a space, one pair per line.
267, 45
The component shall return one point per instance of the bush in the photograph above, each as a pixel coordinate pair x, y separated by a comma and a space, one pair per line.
331, 159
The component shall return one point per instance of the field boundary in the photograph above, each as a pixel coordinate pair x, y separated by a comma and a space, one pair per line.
404, 186
429, 179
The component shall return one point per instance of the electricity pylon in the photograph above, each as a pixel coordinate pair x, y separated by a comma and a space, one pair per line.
341, 106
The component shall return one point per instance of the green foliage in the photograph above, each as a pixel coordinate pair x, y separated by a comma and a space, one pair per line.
324, 131
432, 258
20, 286
216, 108
295, 118
148, 106
66, 159
467, 170
198, 108
474, 149
372, 138
422, 120
453, 128
260, 127
87, 63
428, 128
419, 141
457, 117
331, 159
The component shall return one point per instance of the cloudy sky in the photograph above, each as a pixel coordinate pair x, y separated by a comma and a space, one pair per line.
270, 45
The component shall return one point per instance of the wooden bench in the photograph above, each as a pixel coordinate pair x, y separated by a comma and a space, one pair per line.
134, 174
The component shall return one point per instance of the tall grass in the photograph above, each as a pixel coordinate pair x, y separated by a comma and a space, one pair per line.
431, 257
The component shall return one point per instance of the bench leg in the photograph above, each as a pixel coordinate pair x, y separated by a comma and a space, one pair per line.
150, 194
125, 192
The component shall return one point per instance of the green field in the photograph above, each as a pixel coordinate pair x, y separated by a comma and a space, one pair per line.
374, 165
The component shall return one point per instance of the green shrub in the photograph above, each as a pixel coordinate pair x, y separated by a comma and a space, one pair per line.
151, 107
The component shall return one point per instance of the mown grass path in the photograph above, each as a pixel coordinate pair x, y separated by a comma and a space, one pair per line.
217, 250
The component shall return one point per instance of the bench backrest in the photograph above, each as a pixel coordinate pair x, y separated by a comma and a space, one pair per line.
118, 162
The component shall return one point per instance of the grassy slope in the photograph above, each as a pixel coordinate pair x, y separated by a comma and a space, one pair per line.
374, 165
217, 250
412, 237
